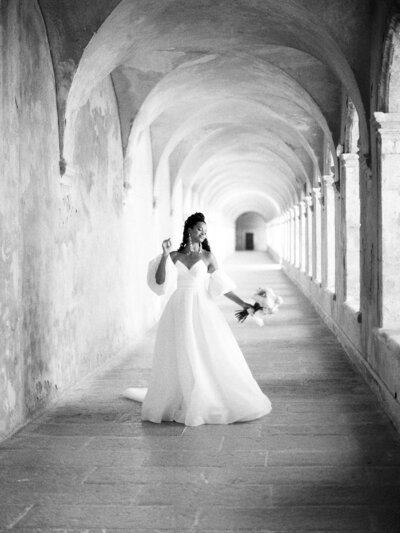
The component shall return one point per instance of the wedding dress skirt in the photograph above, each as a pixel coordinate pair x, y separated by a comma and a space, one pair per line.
199, 373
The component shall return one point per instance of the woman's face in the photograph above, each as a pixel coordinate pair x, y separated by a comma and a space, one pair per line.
198, 232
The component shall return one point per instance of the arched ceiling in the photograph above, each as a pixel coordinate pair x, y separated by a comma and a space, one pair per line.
241, 98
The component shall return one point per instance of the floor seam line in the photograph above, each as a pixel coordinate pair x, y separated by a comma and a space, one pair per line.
20, 517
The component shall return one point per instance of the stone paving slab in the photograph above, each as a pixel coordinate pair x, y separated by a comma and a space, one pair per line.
173, 518
194, 529
325, 460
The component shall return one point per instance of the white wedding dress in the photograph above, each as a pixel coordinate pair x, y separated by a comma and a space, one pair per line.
199, 373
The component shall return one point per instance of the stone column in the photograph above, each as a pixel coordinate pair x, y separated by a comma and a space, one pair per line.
296, 219
287, 245
317, 198
278, 236
303, 235
388, 128
284, 236
324, 234
350, 192
293, 236
309, 234
287, 234
290, 235
328, 232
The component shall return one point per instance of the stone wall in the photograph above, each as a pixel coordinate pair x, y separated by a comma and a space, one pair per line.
11, 369
62, 289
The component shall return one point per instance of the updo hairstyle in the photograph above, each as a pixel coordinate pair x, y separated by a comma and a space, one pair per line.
190, 222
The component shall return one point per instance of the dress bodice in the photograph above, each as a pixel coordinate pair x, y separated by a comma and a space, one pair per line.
193, 277
197, 277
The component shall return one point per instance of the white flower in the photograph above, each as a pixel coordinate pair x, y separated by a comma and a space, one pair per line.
258, 320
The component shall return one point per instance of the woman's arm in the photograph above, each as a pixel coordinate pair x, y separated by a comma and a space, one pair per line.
232, 296
212, 267
160, 272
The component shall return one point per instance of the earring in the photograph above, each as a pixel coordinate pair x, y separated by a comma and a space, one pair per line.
200, 248
190, 244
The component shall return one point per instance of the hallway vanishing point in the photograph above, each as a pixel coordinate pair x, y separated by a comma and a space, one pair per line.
326, 459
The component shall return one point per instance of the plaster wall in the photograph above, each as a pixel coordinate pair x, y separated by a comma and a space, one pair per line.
11, 361
221, 235
89, 251
28, 212
142, 236
62, 279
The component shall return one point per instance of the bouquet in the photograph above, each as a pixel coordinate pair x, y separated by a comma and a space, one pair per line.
266, 303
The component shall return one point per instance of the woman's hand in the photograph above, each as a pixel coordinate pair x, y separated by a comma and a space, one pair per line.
232, 296
167, 246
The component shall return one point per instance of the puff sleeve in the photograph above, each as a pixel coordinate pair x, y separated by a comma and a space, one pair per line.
170, 276
220, 283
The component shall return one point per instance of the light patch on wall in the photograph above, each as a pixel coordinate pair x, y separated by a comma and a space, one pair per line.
11, 397
157, 61
15, 272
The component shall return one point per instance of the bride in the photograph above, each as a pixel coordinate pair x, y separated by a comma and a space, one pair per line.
199, 373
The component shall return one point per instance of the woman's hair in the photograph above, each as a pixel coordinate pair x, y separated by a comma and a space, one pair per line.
190, 222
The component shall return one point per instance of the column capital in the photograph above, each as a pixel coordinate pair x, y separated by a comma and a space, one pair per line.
308, 200
318, 195
328, 180
316, 192
303, 207
387, 126
349, 160
386, 121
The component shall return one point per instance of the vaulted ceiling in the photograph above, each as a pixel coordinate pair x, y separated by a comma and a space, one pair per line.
243, 99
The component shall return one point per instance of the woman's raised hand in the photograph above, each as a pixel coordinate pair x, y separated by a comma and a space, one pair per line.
166, 246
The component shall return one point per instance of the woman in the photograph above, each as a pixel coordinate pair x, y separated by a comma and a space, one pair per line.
199, 374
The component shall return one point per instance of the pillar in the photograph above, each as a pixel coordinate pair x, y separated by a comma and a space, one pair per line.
328, 239
316, 228
292, 237
350, 194
303, 235
296, 219
309, 234
388, 129
287, 236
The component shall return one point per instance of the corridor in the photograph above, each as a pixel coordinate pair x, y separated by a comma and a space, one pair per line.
326, 459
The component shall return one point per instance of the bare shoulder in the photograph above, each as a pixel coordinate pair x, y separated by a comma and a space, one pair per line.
174, 256
211, 261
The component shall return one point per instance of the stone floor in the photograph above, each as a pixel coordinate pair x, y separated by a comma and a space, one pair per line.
325, 460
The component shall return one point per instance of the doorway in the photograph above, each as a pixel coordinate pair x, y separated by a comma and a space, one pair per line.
250, 232
249, 239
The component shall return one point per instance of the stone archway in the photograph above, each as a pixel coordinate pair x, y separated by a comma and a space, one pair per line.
250, 232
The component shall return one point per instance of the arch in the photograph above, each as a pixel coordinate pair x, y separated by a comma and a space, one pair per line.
245, 138
129, 32
250, 230
389, 85
235, 111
